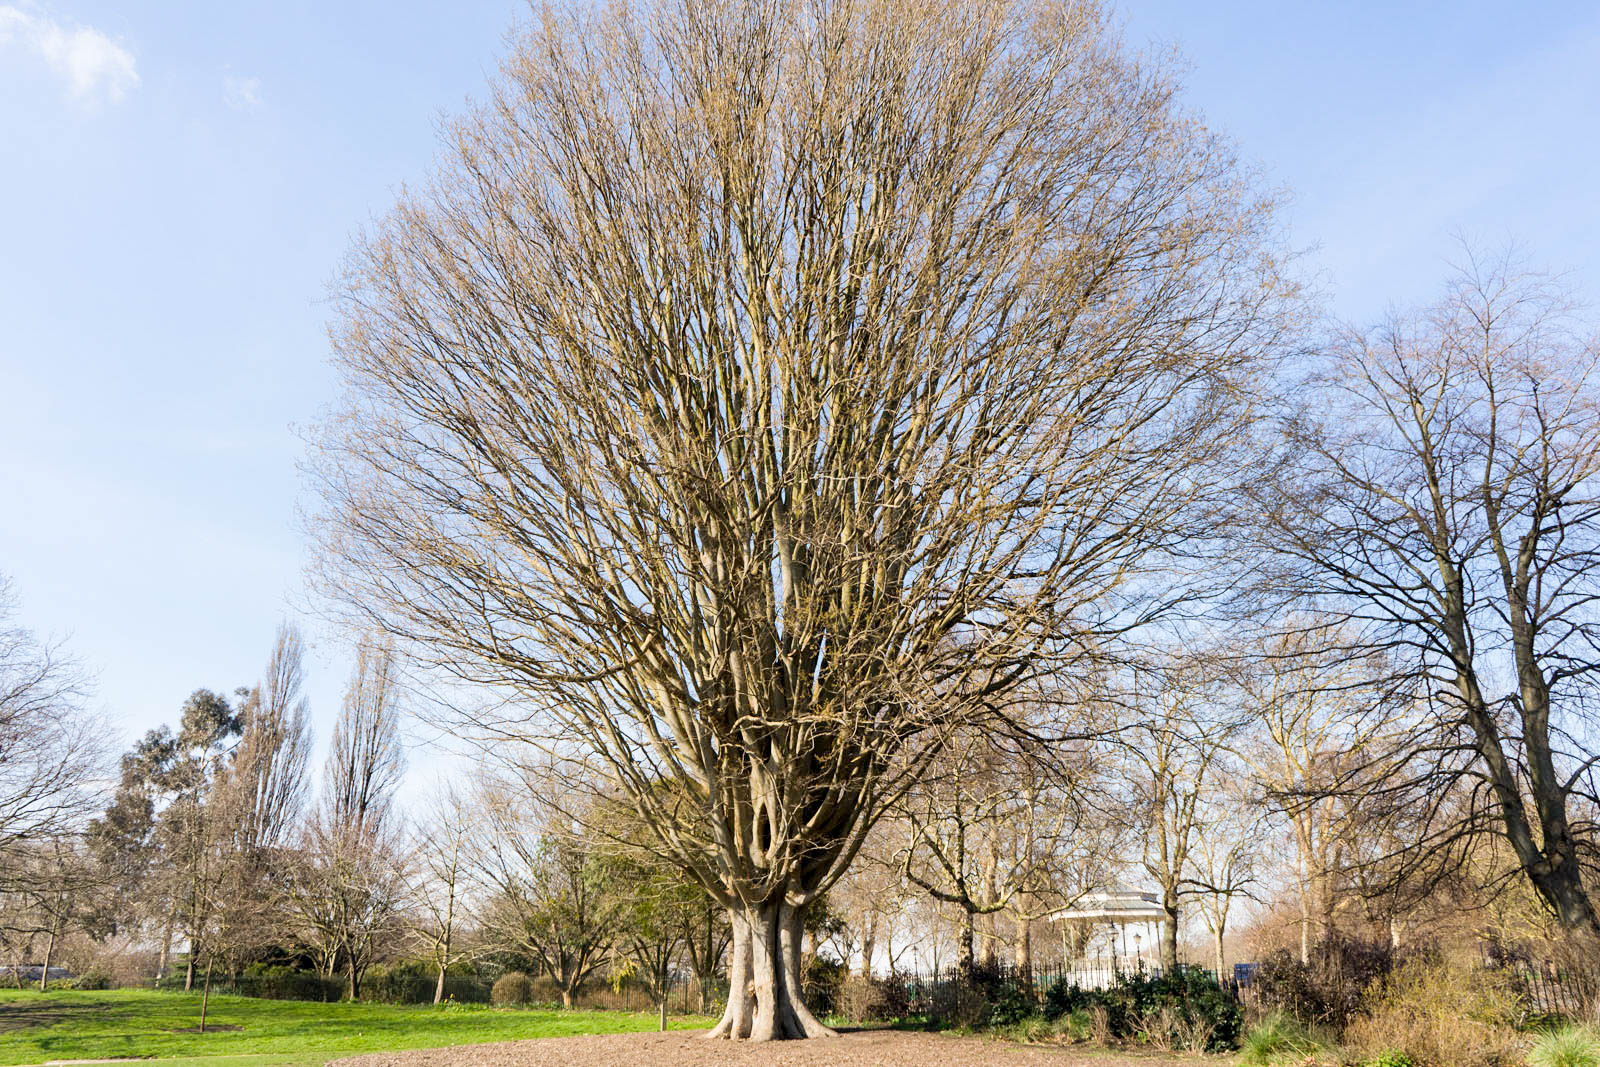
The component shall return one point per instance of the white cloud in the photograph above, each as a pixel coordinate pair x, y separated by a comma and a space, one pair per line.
241, 94
96, 69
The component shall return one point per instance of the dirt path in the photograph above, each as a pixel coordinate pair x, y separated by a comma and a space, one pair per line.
865, 1048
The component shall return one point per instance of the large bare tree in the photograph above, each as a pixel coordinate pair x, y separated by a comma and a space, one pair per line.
764, 388
1443, 502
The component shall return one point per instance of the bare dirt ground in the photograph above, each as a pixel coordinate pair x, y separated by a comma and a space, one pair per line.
862, 1048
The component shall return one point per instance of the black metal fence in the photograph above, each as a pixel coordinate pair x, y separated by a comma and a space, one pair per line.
1567, 988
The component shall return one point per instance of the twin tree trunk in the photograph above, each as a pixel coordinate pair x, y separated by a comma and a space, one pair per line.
766, 999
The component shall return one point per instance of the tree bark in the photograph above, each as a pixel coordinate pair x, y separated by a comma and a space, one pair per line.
438, 988
737, 1015
1169, 934
205, 997
969, 933
1305, 928
49, 952
1025, 950
766, 1000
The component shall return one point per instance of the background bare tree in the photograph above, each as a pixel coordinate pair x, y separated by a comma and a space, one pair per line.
52, 754
1443, 504
755, 372
350, 882
993, 827
547, 891
1228, 861
1322, 749
438, 883
1174, 752
269, 769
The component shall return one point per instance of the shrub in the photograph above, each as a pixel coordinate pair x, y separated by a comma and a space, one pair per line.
824, 985
1075, 1025
1440, 1015
1186, 1009
281, 982
1330, 989
870, 1000
1391, 1057
92, 979
1570, 1046
512, 989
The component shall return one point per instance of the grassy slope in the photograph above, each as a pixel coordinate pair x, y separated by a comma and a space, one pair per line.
35, 1027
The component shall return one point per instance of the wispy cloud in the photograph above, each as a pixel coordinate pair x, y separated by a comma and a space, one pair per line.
96, 69
241, 94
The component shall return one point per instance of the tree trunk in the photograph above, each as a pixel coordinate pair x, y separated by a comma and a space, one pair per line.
662, 1006
566, 998
354, 985
166, 949
1169, 935
991, 940
1305, 929
1221, 977
438, 988
49, 953
205, 997
869, 941
188, 973
969, 933
1560, 883
737, 1015
1025, 951
766, 999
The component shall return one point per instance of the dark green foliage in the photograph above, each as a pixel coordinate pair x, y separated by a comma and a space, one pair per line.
414, 981
275, 982
1189, 1000
1005, 999
824, 985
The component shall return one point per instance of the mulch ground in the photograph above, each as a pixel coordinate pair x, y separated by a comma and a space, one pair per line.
862, 1048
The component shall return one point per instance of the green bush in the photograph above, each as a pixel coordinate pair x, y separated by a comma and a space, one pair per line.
93, 978
824, 985
280, 982
1570, 1046
1186, 1009
1391, 1057
512, 989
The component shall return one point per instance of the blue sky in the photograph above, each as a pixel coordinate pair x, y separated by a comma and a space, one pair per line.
178, 181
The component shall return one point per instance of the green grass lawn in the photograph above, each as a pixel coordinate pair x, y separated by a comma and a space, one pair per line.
36, 1027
